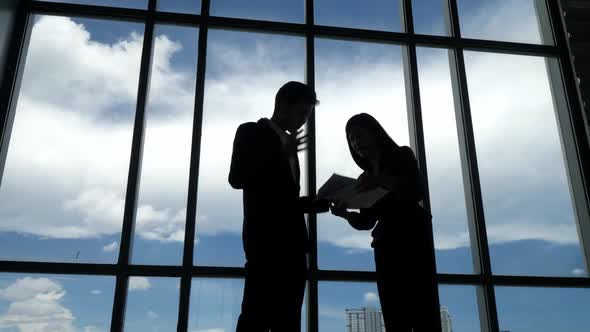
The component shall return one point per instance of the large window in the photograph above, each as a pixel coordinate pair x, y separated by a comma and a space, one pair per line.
116, 214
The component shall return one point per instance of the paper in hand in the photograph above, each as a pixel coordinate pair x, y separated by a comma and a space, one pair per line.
344, 189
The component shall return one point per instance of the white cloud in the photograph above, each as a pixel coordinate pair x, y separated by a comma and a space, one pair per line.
35, 304
578, 272
371, 298
523, 230
58, 134
139, 283
152, 315
96, 292
111, 247
519, 16
82, 141
91, 328
337, 232
27, 288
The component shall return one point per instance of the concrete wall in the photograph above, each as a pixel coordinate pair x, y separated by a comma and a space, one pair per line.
7, 15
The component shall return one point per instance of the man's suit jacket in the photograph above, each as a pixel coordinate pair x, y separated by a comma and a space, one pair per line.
274, 223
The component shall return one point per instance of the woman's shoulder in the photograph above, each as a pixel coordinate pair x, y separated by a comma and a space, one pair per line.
402, 153
405, 153
404, 149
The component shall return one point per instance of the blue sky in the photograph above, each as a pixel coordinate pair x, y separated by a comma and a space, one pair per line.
80, 87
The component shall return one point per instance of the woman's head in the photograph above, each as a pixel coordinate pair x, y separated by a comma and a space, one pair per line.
367, 140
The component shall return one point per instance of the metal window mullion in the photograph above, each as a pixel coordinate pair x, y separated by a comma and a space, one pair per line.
193, 185
571, 121
89, 11
413, 100
406, 17
238, 273
312, 285
10, 92
120, 296
12, 78
140, 15
415, 123
473, 197
474, 203
452, 19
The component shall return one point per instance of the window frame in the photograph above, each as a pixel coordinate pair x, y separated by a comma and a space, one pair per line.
565, 95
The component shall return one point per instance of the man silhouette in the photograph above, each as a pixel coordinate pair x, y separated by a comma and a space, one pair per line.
265, 166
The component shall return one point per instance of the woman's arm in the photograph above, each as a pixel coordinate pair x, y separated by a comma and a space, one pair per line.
363, 221
408, 185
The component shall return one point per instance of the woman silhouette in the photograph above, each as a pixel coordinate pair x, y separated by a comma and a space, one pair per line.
402, 231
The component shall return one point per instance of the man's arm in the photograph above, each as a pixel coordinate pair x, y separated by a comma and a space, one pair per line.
309, 205
244, 161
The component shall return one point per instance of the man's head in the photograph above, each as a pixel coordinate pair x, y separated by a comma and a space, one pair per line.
294, 103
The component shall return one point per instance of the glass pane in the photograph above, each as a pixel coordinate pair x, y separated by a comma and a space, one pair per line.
180, 6
215, 304
528, 208
244, 72
430, 17
137, 4
161, 213
347, 306
445, 179
351, 78
63, 189
508, 20
267, 10
152, 304
543, 309
55, 303
459, 311
368, 14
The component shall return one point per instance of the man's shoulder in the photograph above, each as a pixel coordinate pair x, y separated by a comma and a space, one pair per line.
248, 129
257, 133
248, 126
252, 126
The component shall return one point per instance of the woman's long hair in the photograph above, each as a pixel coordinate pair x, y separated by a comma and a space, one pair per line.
385, 143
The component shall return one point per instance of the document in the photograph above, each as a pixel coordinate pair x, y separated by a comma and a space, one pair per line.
344, 189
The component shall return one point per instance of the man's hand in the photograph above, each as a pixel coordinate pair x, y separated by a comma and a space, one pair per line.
297, 142
314, 206
321, 205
